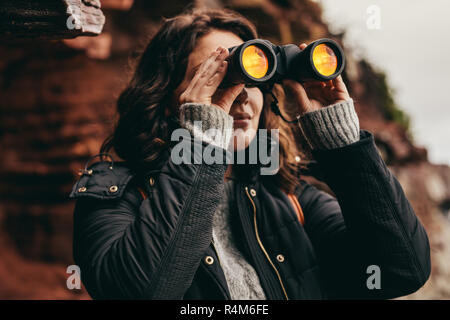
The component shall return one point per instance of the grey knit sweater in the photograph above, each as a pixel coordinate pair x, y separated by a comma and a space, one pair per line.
327, 128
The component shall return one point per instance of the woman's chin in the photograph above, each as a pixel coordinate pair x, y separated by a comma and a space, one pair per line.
241, 140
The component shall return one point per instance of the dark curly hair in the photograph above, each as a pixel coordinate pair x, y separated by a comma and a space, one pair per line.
143, 129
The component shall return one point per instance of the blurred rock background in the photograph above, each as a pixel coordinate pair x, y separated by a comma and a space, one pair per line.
57, 104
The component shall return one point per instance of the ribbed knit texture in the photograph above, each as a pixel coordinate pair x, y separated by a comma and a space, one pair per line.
331, 127
207, 123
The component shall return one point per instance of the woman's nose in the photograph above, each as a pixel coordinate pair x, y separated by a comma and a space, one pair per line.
242, 97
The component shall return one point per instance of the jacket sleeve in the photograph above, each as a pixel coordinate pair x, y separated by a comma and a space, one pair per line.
369, 237
127, 248
369, 223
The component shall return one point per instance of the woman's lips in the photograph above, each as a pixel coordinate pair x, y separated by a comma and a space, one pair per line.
241, 120
241, 123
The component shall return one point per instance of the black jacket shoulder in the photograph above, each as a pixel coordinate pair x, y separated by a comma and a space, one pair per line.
103, 180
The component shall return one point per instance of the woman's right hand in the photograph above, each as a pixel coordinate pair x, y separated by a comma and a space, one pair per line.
203, 87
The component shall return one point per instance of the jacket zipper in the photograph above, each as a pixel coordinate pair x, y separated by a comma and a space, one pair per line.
262, 246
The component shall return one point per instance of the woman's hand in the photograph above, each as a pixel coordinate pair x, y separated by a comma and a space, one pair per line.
312, 96
203, 87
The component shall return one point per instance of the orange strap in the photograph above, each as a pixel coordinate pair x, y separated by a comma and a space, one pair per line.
297, 207
144, 196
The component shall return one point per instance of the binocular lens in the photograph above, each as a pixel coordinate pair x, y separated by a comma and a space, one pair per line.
255, 62
325, 60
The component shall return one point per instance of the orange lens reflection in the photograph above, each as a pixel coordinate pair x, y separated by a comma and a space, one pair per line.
255, 62
324, 60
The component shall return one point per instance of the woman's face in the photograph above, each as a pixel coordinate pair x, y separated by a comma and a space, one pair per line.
247, 107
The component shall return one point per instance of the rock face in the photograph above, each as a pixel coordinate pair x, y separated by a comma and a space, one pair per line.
50, 19
58, 104
428, 189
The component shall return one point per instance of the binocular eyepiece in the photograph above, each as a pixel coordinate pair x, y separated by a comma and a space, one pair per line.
260, 63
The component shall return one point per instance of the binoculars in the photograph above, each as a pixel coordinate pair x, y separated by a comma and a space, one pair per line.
261, 63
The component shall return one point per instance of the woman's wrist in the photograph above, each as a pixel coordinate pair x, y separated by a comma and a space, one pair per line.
331, 127
207, 123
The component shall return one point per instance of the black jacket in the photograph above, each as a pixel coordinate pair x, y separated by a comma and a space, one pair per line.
160, 247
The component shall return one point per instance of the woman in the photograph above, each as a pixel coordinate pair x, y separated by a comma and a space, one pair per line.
153, 228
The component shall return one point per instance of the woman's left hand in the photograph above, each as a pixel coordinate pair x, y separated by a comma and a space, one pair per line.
312, 96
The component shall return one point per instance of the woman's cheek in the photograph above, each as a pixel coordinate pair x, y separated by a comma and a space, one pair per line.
257, 101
